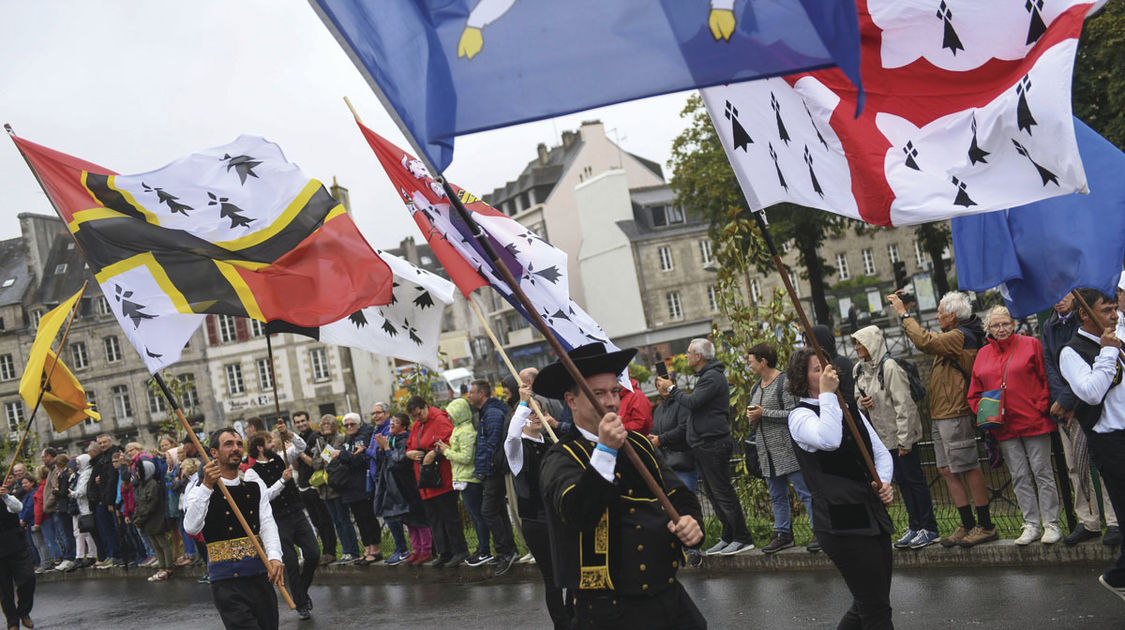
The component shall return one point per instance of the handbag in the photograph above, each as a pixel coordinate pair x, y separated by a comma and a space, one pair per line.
990, 410
429, 475
86, 523
318, 478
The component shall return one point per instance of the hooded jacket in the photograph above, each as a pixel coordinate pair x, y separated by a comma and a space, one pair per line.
82, 484
709, 404
894, 414
953, 354
635, 409
843, 364
356, 489
1025, 400
437, 426
490, 437
463, 441
149, 494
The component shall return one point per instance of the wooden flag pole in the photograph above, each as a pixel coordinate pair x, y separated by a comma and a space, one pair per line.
222, 486
511, 368
811, 338
276, 400
43, 387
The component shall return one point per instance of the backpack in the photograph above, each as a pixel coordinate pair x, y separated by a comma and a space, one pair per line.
917, 387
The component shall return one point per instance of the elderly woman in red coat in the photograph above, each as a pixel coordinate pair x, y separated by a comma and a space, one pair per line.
439, 501
1025, 439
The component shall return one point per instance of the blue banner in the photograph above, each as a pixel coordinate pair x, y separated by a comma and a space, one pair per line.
1043, 250
451, 67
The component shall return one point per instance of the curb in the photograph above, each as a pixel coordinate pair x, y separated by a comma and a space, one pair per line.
1003, 553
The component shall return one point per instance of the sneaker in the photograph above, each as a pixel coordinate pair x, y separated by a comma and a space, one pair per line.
66, 566
1051, 534
527, 558
347, 558
457, 560
1116, 590
303, 613
904, 542
148, 562
397, 558
979, 535
104, 564
925, 538
327, 559
1112, 536
956, 538
40, 570
736, 548
478, 559
160, 576
717, 548
1030, 534
813, 546
694, 558
504, 564
206, 579
1080, 535
781, 540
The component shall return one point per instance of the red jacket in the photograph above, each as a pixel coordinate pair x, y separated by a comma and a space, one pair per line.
37, 502
1026, 399
635, 409
437, 426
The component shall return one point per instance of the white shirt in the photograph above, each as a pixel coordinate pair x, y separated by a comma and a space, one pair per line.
291, 454
195, 513
513, 448
13, 504
824, 432
1091, 382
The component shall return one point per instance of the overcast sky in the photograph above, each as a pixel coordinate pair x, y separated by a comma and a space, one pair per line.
134, 85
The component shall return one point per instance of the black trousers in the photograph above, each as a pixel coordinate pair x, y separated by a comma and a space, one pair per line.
539, 543
445, 524
321, 520
865, 563
713, 461
1108, 451
17, 578
670, 609
295, 532
915, 493
364, 513
246, 603
494, 509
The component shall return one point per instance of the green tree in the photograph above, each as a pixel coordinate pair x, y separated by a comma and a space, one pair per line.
1099, 74
705, 184
934, 238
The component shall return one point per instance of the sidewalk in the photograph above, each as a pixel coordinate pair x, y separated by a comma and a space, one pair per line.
1002, 553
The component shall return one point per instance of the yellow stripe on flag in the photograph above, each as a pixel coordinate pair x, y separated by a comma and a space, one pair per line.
245, 295
291, 211
148, 261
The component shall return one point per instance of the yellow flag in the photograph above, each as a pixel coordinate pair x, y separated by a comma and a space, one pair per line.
64, 400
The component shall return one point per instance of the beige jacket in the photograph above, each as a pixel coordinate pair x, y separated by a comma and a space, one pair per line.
948, 387
894, 414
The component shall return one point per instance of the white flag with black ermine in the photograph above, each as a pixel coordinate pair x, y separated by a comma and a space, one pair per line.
409, 328
967, 110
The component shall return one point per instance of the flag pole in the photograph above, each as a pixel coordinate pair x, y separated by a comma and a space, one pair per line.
511, 368
276, 400
506, 276
811, 338
222, 486
163, 387
43, 386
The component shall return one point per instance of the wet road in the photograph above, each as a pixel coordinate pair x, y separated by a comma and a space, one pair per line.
992, 599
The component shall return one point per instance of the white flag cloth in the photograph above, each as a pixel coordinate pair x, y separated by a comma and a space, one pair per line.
967, 110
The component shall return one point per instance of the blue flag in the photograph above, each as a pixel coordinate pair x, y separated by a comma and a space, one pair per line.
451, 67
1042, 250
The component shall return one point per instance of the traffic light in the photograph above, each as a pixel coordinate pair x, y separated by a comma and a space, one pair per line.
900, 274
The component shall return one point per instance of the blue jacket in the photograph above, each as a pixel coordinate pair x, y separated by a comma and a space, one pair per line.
1055, 334
490, 436
375, 456
27, 513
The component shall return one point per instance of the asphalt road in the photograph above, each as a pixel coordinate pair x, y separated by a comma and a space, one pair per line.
991, 599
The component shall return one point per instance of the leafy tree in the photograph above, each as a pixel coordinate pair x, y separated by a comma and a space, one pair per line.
1099, 74
705, 184
934, 238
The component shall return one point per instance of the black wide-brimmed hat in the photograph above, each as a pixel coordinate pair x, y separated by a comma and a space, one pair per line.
553, 381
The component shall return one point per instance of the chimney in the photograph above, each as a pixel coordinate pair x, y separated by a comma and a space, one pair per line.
409, 250
568, 138
542, 154
340, 194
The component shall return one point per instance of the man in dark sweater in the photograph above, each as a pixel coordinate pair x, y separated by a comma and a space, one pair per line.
488, 466
709, 436
104, 490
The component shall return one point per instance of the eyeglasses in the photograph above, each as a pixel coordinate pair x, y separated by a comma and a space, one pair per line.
351, 424
1001, 325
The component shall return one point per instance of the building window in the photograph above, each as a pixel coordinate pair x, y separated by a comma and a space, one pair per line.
234, 379
265, 376
78, 357
122, 404
755, 290
227, 330
7, 367
92, 400
190, 393
257, 328
918, 259
842, 266
319, 360
102, 305
112, 349
155, 401
666, 258
892, 252
705, 252
675, 310
667, 215
712, 298
868, 262
60, 269
14, 412
35, 316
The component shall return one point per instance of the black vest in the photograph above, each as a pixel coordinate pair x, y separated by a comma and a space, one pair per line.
289, 500
529, 501
844, 503
8, 520
221, 523
1088, 415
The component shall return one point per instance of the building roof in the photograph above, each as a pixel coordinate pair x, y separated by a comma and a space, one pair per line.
15, 276
64, 273
642, 227
540, 174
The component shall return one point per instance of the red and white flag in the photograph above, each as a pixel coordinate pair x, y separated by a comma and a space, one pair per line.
967, 110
